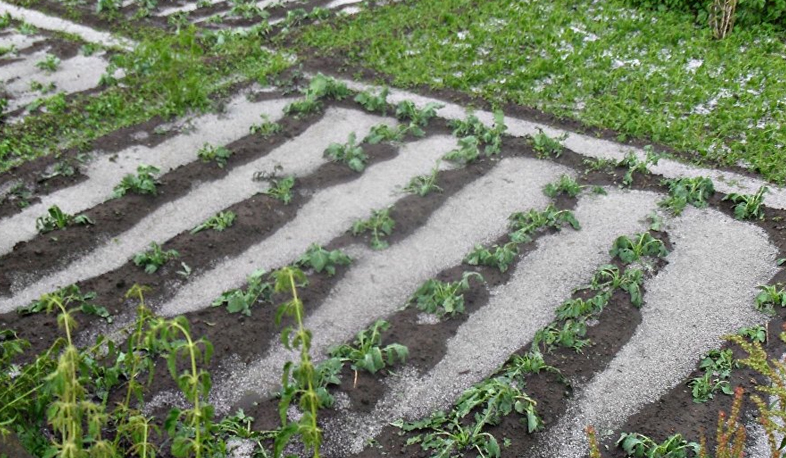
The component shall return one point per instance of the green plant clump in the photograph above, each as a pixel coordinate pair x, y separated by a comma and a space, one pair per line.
350, 154
443, 298
144, 182
629, 250
154, 258
524, 224
684, 191
218, 222
322, 260
497, 256
219, 154
748, 206
565, 185
380, 224
57, 219
366, 352
240, 301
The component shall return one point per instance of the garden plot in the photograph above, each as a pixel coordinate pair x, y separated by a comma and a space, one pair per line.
480, 241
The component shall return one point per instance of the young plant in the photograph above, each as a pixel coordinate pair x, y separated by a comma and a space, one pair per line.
717, 367
635, 165
374, 102
641, 245
568, 334
754, 333
266, 129
144, 182
350, 154
154, 258
305, 384
218, 222
281, 189
418, 117
49, 64
320, 259
769, 297
380, 225
467, 151
684, 191
69, 296
441, 298
748, 206
57, 219
565, 185
424, 185
608, 278
546, 146
240, 301
219, 154
489, 136
320, 87
366, 353
497, 256
384, 133
524, 225
640, 446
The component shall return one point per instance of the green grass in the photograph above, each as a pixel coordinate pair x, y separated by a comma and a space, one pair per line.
632, 70
158, 82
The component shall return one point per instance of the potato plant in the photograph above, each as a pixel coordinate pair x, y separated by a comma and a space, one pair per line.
497, 256
384, 133
49, 63
546, 146
57, 219
380, 225
769, 297
219, 222
366, 352
629, 249
349, 153
241, 301
640, 446
754, 334
144, 182
281, 189
684, 191
218, 154
154, 258
634, 165
748, 206
524, 224
322, 260
717, 367
423, 185
565, 185
374, 102
444, 298
491, 137
418, 117
467, 152
320, 87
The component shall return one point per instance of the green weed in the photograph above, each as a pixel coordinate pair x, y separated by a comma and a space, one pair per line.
748, 206
218, 222
144, 182
57, 219
379, 225
154, 258
443, 298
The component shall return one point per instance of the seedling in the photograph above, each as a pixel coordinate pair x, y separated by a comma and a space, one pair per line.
49, 64
640, 446
350, 154
154, 258
219, 154
281, 189
684, 191
641, 245
366, 353
424, 185
320, 259
608, 278
635, 165
21, 195
565, 185
489, 136
717, 367
569, 335
546, 146
320, 87
420, 117
144, 182
374, 102
524, 225
380, 225
769, 297
384, 133
57, 219
498, 256
239, 301
266, 128
219, 222
467, 151
748, 206
60, 169
441, 298
70, 295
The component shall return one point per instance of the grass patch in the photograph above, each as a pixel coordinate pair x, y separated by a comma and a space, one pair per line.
650, 75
